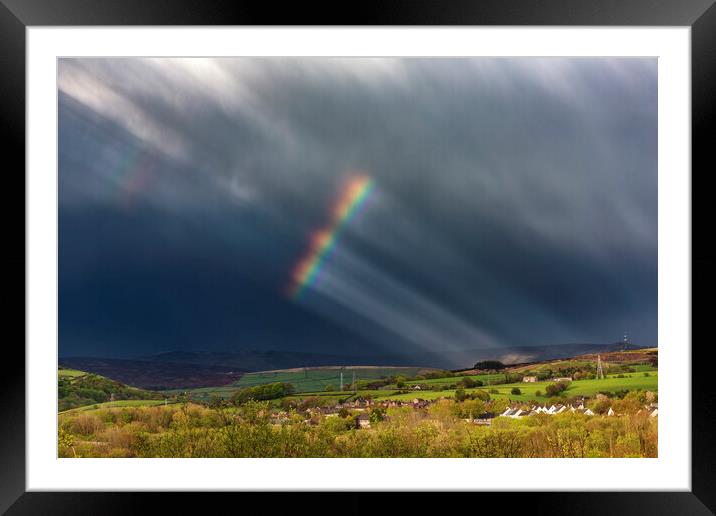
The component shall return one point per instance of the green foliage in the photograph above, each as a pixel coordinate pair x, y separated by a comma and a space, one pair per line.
516, 391
556, 388
470, 383
269, 391
77, 389
460, 395
376, 414
249, 430
490, 364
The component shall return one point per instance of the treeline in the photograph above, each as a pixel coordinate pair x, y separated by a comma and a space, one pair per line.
440, 431
268, 391
90, 389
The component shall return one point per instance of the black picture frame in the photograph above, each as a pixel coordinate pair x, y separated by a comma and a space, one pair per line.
700, 15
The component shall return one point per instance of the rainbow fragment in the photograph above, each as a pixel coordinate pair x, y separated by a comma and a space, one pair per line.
353, 195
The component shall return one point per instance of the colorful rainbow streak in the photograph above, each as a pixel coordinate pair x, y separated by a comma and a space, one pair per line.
353, 196
130, 177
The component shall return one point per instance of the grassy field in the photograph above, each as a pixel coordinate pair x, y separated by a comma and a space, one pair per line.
77, 389
70, 373
631, 381
313, 384
554, 366
114, 404
311, 380
455, 379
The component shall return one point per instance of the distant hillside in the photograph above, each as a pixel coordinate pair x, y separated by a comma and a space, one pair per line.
78, 388
522, 354
156, 374
186, 369
610, 359
250, 360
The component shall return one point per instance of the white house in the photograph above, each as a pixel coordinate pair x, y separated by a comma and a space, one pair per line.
364, 420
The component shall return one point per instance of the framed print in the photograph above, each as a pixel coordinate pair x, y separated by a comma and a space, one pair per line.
409, 250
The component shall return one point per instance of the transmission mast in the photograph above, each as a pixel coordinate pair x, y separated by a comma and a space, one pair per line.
341, 380
600, 371
625, 342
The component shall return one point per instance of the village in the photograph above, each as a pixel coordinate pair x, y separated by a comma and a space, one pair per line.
363, 407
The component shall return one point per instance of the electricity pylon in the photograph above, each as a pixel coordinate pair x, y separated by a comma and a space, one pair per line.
600, 371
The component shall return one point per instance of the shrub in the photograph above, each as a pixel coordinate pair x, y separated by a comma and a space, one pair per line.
516, 391
481, 395
85, 424
460, 395
554, 389
468, 382
538, 393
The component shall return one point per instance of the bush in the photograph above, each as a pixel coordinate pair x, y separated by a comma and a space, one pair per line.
538, 393
516, 391
554, 389
468, 383
460, 395
85, 424
481, 395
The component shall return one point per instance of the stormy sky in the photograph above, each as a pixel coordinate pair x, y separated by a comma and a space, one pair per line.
514, 203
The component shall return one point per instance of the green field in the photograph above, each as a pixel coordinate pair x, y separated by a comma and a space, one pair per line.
311, 380
632, 381
113, 404
77, 389
485, 378
70, 373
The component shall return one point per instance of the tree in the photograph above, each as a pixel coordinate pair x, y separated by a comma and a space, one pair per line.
554, 389
538, 393
376, 414
516, 391
460, 395
330, 387
490, 364
470, 383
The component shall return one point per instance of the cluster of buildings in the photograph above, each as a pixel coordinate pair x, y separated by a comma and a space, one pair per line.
360, 405
652, 409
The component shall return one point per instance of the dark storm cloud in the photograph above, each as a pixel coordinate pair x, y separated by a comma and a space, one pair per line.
515, 203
